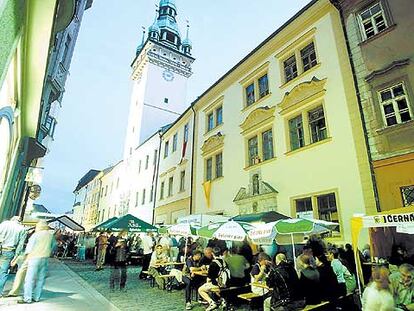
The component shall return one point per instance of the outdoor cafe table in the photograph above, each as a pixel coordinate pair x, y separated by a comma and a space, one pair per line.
171, 264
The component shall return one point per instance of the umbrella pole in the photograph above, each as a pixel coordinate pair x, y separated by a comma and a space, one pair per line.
185, 248
293, 250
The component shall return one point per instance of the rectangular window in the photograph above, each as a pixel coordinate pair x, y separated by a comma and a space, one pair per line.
136, 199
304, 208
162, 190
372, 21
267, 145
143, 197
210, 122
154, 162
117, 183
65, 56
250, 99
186, 133
296, 133
174, 146
182, 181
166, 149
209, 168
139, 166
219, 116
291, 70
317, 124
152, 193
327, 209
170, 186
395, 105
407, 194
146, 161
106, 190
219, 165
308, 57
253, 151
263, 86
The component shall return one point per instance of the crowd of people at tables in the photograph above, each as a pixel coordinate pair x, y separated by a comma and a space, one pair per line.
322, 272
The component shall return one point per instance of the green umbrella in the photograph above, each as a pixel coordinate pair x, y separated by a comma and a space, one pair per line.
228, 231
130, 223
102, 225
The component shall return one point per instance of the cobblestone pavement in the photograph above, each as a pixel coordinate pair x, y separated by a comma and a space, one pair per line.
139, 296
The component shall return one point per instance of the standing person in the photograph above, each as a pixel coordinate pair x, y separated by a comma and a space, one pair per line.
147, 246
338, 268
12, 236
119, 263
377, 295
328, 280
102, 244
38, 250
309, 279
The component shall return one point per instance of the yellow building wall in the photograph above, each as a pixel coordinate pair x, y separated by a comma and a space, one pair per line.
169, 213
391, 174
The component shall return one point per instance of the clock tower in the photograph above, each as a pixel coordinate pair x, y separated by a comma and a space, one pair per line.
160, 71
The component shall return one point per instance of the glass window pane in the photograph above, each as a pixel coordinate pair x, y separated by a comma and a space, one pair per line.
219, 165
219, 115
263, 86
308, 56
291, 70
296, 133
327, 209
405, 116
386, 95
407, 193
388, 109
398, 90
209, 166
210, 122
391, 120
253, 151
317, 124
267, 138
304, 208
250, 94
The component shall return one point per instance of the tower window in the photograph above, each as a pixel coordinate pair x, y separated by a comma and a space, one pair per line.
165, 100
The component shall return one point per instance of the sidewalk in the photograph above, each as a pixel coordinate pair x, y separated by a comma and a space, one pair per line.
64, 290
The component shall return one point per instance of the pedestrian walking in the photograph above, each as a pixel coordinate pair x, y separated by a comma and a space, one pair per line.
12, 236
102, 244
38, 250
119, 269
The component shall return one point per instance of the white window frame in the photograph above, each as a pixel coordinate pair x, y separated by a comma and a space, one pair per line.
372, 19
394, 103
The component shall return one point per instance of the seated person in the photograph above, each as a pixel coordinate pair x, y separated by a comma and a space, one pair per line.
309, 280
237, 264
189, 278
377, 295
212, 279
259, 273
207, 257
338, 268
286, 294
402, 287
158, 257
327, 277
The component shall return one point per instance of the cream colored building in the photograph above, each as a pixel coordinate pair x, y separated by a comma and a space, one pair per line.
175, 168
281, 130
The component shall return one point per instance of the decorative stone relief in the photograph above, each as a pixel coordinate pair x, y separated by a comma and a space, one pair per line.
258, 117
302, 93
212, 144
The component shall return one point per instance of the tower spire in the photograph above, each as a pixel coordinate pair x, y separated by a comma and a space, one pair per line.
186, 44
139, 48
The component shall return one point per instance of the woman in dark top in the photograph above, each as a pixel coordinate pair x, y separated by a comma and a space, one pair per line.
329, 289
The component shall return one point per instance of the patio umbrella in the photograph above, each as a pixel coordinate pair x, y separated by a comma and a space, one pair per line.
293, 228
228, 231
184, 229
102, 225
130, 223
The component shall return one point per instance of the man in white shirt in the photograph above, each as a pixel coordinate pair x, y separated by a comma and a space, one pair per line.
147, 245
38, 251
12, 236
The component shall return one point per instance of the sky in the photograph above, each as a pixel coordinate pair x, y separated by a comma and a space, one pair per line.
93, 120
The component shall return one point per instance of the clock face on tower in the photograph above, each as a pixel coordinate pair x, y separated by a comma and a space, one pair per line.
167, 75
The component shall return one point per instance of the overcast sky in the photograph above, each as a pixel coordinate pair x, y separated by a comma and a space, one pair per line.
92, 123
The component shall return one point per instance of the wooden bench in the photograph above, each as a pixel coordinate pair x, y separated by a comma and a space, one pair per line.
252, 299
314, 307
248, 296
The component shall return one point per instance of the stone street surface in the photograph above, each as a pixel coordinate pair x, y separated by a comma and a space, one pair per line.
139, 296
64, 290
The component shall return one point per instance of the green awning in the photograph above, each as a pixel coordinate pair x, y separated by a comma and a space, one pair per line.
260, 217
102, 225
130, 223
